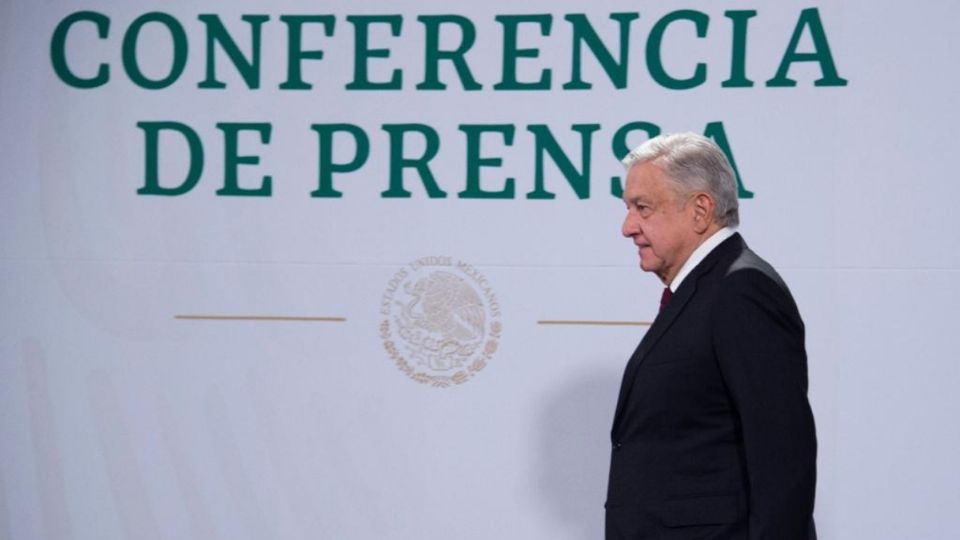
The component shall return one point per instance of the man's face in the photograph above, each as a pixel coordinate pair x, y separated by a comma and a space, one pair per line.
659, 221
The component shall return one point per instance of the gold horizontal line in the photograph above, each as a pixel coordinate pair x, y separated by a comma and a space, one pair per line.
257, 318
597, 323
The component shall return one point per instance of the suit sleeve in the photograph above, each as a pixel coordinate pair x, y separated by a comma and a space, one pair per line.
759, 341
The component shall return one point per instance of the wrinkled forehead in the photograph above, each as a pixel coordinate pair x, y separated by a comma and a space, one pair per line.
646, 181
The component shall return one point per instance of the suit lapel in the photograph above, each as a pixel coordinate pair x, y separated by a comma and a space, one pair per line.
666, 318
663, 321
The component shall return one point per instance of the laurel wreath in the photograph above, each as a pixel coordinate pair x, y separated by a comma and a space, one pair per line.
442, 381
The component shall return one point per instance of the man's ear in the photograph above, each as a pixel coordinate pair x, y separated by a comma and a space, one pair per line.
703, 206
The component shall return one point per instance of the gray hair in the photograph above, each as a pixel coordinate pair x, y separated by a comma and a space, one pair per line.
693, 163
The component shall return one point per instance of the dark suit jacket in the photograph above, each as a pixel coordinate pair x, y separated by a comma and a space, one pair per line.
713, 437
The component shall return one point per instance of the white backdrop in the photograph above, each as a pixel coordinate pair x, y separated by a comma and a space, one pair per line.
120, 420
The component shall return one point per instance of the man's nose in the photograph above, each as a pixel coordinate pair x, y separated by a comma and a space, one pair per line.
629, 226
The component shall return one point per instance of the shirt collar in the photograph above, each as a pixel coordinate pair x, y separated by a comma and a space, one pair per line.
700, 254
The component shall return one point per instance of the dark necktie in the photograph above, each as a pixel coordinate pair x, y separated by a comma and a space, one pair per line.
665, 297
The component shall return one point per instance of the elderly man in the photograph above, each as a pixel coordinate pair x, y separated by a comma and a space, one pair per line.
713, 437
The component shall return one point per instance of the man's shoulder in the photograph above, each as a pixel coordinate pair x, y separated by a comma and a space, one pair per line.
748, 263
733, 266
749, 275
